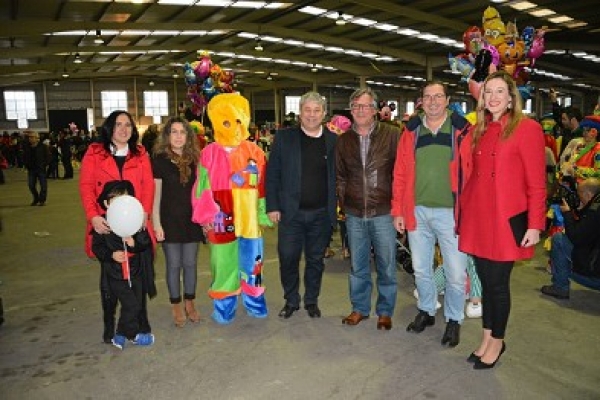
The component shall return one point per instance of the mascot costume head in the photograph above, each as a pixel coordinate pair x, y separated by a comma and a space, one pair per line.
230, 117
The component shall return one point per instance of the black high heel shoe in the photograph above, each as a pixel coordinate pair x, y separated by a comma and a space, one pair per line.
473, 358
481, 365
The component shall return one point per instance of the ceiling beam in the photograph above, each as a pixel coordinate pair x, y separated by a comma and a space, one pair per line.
36, 28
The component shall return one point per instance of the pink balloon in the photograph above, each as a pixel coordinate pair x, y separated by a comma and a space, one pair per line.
202, 70
538, 46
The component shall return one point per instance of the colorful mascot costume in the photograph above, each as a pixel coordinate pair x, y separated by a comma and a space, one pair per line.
229, 197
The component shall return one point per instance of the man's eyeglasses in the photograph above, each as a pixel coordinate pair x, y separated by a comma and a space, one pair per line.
361, 107
437, 96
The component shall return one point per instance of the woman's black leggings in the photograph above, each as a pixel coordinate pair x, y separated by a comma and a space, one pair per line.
495, 294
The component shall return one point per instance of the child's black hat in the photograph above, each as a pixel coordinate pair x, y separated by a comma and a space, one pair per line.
111, 187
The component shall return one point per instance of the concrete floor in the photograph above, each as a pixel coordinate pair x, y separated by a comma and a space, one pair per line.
50, 344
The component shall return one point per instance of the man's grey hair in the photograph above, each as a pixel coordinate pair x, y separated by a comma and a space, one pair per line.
313, 96
362, 91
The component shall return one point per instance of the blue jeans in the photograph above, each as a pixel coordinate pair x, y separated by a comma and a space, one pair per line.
311, 230
560, 257
33, 176
437, 224
363, 233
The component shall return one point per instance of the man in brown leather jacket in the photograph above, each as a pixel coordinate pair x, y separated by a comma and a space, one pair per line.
365, 157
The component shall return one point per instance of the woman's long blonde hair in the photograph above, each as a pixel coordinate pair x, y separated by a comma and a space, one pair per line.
191, 149
514, 111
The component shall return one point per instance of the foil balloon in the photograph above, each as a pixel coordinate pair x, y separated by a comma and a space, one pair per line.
527, 36
493, 27
203, 68
471, 36
482, 68
460, 65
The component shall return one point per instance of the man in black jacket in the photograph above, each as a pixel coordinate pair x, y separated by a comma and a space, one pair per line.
300, 197
37, 157
575, 254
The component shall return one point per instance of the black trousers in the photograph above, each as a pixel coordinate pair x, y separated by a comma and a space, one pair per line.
132, 315
309, 230
68, 166
495, 294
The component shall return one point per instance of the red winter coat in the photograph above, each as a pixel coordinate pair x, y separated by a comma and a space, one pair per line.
99, 167
507, 177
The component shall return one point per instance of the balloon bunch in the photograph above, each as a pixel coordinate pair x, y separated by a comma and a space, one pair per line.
498, 46
204, 80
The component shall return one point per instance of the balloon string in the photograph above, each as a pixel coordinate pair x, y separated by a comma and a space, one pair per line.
127, 271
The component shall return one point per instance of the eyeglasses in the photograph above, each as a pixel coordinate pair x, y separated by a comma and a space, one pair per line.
437, 96
361, 107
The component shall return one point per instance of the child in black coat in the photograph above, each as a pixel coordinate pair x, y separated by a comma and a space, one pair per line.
127, 274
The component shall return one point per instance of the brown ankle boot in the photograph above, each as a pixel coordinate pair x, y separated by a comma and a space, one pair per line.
191, 312
178, 315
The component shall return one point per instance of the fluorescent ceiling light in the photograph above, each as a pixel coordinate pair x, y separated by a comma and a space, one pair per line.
135, 32
314, 45
386, 27
364, 21
164, 33
579, 53
354, 52
68, 33
281, 61
560, 19
429, 36
272, 39
542, 12
576, 24
214, 3
248, 4
177, 2
523, 5
292, 42
193, 33
408, 32
334, 49
312, 10
247, 35
275, 5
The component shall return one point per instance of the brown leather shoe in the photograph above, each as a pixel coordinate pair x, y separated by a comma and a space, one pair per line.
384, 322
354, 318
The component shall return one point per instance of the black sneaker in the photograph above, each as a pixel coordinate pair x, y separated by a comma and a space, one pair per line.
551, 290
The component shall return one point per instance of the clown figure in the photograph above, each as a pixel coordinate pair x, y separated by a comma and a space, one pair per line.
229, 203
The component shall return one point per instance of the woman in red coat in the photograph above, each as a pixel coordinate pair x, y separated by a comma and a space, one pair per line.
502, 206
116, 157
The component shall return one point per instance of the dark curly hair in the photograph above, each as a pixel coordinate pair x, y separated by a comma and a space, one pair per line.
107, 130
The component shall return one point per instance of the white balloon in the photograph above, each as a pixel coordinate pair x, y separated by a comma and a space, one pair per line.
125, 215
